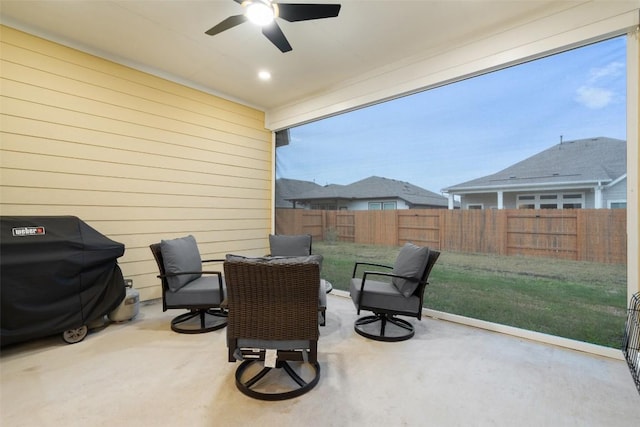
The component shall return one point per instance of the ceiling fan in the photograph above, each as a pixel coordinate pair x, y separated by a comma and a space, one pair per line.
264, 12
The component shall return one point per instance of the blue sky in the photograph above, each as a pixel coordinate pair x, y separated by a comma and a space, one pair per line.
465, 130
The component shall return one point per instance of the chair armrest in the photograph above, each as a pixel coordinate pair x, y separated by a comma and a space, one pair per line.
355, 267
217, 273
212, 260
382, 273
189, 272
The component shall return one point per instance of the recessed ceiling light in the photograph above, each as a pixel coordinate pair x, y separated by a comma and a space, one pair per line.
264, 75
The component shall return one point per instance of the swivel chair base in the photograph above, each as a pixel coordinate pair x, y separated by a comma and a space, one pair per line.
390, 329
199, 321
251, 388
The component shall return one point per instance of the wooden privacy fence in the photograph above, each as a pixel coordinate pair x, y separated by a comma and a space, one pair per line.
596, 235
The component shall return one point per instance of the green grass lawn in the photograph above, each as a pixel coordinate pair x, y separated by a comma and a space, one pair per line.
572, 299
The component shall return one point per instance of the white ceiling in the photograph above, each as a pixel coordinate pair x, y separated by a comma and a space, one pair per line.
166, 38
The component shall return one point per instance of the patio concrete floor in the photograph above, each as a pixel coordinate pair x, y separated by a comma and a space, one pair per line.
142, 373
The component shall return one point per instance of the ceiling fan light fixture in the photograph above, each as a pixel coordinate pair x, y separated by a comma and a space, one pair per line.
260, 12
264, 12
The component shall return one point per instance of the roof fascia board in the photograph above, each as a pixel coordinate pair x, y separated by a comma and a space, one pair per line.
573, 185
617, 180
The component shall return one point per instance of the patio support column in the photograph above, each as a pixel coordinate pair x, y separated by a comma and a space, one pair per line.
451, 204
598, 196
500, 199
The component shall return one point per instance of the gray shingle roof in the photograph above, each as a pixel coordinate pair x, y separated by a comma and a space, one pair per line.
581, 161
376, 187
289, 188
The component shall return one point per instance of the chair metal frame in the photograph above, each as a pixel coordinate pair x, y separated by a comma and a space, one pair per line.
631, 341
200, 318
384, 315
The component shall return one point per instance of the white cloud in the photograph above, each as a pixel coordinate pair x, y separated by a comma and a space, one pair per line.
594, 97
612, 69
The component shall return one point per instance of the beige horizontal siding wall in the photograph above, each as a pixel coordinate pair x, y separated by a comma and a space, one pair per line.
135, 156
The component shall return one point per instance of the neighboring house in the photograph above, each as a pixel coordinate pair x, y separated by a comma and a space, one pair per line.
287, 189
586, 173
373, 193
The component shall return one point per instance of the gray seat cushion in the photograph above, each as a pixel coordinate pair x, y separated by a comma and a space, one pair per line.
290, 245
382, 295
411, 262
179, 256
203, 291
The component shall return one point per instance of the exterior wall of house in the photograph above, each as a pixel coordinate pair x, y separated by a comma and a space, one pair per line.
616, 193
590, 198
490, 200
485, 200
351, 205
137, 157
363, 205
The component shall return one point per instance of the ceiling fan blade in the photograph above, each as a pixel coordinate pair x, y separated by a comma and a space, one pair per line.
275, 34
230, 22
304, 12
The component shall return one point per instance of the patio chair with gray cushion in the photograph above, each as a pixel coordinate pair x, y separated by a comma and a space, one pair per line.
401, 294
273, 324
299, 245
185, 285
289, 244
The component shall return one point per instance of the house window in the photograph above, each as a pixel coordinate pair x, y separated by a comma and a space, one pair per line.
525, 202
548, 201
474, 206
387, 206
617, 204
324, 206
572, 201
551, 201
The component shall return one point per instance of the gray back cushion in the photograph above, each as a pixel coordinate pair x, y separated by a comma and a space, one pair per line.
290, 245
179, 256
411, 262
232, 257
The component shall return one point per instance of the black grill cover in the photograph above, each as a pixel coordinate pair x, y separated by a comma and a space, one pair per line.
56, 273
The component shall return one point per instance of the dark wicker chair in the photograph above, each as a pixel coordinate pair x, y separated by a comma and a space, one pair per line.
191, 288
273, 312
402, 295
